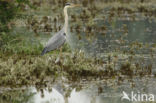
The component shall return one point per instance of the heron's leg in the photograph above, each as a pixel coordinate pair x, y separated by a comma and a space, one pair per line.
61, 58
58, 56
60, 52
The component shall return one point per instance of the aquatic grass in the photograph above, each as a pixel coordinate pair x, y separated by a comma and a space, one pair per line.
16, 44
18, 70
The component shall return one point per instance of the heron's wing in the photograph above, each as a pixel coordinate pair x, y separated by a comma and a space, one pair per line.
55, 42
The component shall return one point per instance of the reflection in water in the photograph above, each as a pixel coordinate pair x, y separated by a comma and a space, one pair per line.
47, 97
103, 91
95, 92
57, 97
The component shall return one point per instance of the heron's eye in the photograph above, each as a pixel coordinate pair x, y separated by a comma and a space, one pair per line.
67, 4
64, 34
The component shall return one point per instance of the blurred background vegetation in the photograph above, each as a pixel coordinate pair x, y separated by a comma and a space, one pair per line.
11, 10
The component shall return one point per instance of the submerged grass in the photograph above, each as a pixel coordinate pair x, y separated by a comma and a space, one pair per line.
18, 70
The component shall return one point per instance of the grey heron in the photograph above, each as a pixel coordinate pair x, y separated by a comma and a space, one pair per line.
59, 38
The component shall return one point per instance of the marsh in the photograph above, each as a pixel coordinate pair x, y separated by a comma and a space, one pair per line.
111, 48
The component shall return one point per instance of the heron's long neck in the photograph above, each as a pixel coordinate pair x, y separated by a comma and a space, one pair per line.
66, 20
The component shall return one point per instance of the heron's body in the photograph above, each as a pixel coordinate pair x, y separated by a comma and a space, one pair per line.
55, 42
59, 38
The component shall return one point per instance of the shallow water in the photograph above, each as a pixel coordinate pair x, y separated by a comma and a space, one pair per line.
98, 91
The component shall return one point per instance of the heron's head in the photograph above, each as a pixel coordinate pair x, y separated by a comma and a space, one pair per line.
71, 5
